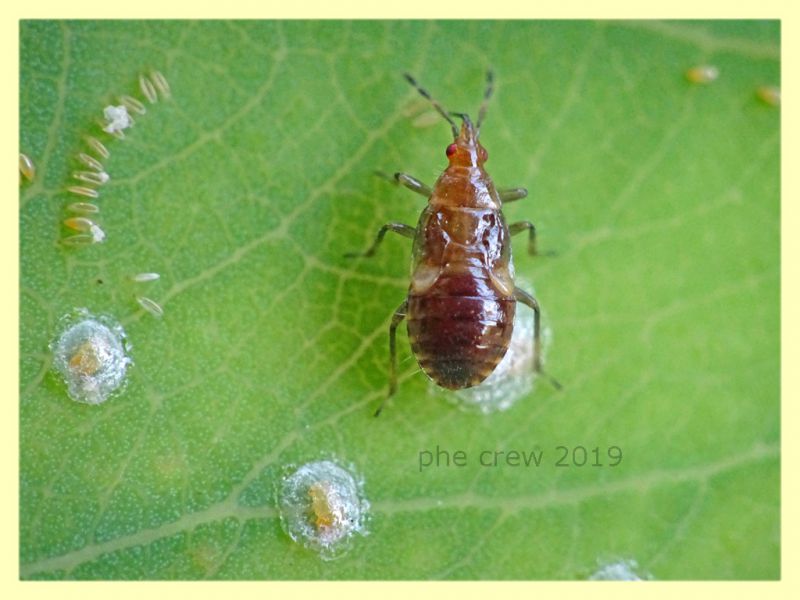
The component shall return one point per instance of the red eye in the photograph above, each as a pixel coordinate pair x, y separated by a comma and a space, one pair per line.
451, 149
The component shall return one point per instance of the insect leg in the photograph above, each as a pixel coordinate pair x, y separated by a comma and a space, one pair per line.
511, 194
528, 300
397, 318
412, 183
401, 228
515, 228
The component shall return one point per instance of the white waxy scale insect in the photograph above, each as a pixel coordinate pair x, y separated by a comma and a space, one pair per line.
142, 277
26, 167
151, 306
81, 239
322, 507
85, 226
81, 190
95, 177
621, 570
81, 224
132, 104
97, 146
83, 208
161, 83
702, 74
147, 89
91, 355
769, 94
90, 161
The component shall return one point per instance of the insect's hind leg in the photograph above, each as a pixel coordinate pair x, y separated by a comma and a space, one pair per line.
401, 228
397, 318
412, 183
528, 300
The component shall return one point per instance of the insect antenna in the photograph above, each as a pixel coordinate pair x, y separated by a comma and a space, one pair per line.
464, 117
486, 96
424, 93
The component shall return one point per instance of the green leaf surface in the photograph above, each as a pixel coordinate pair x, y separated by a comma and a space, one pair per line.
660, 199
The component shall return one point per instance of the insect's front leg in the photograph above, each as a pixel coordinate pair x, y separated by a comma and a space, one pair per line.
397, 318
412, 183
511, 194
401, 228
528, 300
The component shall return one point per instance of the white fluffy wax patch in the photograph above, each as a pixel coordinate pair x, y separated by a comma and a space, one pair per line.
91, 355
322, 506
621, 570
117, 119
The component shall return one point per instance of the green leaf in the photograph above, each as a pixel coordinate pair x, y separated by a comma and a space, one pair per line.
659, 197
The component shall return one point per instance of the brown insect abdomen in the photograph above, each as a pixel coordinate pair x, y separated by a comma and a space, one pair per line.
458, 331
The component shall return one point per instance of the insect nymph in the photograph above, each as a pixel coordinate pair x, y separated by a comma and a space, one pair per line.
462, 297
